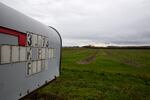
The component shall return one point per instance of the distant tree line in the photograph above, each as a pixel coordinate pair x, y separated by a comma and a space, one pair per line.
110, 47
119, 47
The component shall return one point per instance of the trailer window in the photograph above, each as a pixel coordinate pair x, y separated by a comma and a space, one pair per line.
43, 41
39, 53
5, 54
39, 41
47, 53
6, 39
43, 53
39, 66
35, 40
29, 54
34, 53
22, 54
51, 52
15, 54
34, 67
46, 43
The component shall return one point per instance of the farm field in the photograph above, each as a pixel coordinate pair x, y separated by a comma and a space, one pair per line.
100, 74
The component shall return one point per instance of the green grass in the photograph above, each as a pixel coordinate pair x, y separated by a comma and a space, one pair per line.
114, 74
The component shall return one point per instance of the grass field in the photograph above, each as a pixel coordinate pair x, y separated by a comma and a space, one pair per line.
101, 74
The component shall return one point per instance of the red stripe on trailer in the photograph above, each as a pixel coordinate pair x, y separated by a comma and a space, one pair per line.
22, 38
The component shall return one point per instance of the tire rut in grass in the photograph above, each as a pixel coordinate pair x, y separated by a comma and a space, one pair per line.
89, 59
127, 61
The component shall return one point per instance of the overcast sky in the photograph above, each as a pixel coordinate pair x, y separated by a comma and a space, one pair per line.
99, 22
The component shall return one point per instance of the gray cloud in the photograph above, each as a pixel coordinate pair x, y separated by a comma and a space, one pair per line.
80, 22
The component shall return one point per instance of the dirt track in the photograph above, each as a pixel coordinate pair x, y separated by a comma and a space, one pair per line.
89, 59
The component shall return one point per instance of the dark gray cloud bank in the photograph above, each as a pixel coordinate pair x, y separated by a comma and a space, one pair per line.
99, 22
